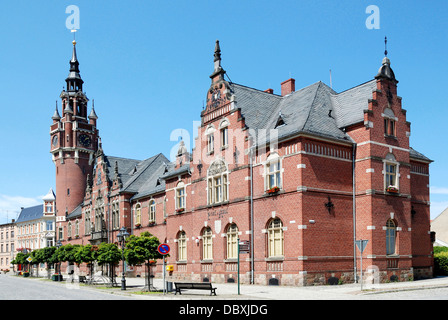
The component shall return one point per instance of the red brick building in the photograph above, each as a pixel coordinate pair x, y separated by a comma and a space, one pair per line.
299, 175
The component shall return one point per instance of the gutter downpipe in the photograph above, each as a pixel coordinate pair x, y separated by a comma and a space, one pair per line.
251, 217
354, 213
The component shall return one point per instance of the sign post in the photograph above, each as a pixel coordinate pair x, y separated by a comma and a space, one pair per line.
243, 247
163, 249
361, 244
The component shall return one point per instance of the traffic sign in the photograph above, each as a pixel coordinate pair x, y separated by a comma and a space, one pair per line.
244, 246
361, 244
163, 249
29, 259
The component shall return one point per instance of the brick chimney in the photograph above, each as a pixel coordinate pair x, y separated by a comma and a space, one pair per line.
288, 86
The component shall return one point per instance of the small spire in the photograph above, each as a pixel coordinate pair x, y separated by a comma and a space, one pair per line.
385, 70
385, 46
56, 115
218, 70
217, 51
93, 113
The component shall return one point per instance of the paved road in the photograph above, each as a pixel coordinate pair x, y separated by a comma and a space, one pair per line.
18, 288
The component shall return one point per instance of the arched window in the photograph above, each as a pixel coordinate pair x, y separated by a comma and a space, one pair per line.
115, 215
69, 229
138, 214
182, 246
232, 241
391, 234
152, 211
275, 238
224, 133
77, 228
210, 136
207, 244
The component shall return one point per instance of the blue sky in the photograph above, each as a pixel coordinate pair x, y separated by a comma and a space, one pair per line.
147, 65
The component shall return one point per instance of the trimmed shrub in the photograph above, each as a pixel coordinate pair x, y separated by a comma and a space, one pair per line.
441, 263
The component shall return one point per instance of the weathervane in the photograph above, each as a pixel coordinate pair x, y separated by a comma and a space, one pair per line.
385, 46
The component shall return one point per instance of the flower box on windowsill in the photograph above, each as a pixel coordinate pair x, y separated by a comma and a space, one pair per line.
273, 190
138, 225
392, 189
180, 210
151, 224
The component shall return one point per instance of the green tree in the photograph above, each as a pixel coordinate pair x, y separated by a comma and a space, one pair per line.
87, 254
108, 254
143, 249
38, 258
21, 259
48, 257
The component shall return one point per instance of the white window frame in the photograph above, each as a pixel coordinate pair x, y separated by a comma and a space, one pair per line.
390, 161
272, 160
276, 243
180, 196
152, 210
232, 241
182, 246
207, 244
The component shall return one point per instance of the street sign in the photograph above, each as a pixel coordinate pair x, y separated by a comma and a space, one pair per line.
361, 244
29, 259
244, 246
163, 249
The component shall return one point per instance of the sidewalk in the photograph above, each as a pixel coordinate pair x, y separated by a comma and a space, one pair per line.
259, 292
226, 291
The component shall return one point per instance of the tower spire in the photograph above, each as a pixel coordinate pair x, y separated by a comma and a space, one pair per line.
218, 70
385, 46
74, 81
385, 70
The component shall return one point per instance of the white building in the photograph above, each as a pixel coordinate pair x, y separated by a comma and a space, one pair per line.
35, 226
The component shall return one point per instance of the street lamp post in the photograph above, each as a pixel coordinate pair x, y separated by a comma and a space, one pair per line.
121, 237
57, 266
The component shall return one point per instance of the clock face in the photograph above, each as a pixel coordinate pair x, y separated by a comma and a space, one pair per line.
55, 140
84, 140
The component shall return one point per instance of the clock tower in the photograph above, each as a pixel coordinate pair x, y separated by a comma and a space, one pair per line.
74, 141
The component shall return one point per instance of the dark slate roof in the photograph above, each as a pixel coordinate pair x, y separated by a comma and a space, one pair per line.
76, 213
140, 177
417, 155
316, 110
31, 213
304, 111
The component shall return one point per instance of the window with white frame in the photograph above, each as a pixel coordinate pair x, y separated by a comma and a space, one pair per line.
224, 133
391, 234
275, 238
210, 136
391, 174
69, 229
152, 211
232, 241
207, 244
273, 172
182, 246
180, 196
217, 188
138, 214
